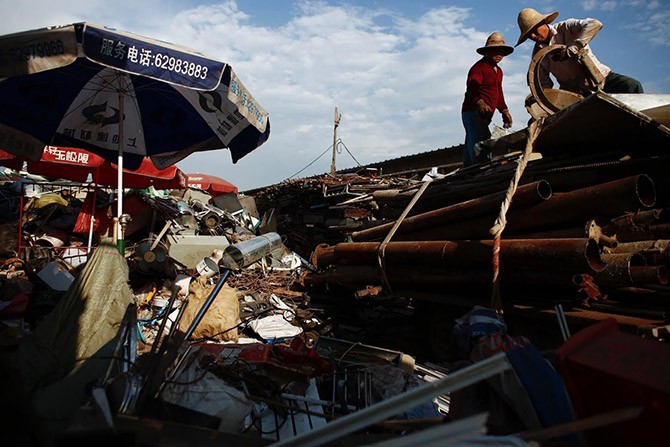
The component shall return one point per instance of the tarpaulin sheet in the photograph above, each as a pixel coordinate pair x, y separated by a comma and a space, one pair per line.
72, 346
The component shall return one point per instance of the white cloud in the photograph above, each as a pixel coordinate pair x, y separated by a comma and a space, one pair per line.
608, 6
380, 70
398, 81
659, 28
590, 5
650, 4
654, 28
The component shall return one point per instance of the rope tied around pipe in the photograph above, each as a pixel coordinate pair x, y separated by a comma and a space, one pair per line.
500, 222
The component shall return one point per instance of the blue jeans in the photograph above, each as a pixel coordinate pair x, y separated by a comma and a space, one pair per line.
476, 130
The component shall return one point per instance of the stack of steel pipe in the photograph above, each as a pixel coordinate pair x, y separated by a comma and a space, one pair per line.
607, 232
640, 264
429, 263
613, 204
582, 172
552, 210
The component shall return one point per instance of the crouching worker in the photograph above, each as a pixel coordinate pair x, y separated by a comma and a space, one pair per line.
575, 34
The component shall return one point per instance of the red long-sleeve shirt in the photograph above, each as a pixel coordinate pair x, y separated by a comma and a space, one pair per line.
484, 83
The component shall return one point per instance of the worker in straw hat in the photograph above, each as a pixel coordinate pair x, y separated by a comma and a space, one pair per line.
483, 95
575, 34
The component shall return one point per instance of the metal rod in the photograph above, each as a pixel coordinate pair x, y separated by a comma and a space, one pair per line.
154, 244
171, 350
173, 296
208, 302
119, 174
389, 407
562, 322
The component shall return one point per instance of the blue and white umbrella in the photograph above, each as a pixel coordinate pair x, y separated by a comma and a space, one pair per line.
122, 96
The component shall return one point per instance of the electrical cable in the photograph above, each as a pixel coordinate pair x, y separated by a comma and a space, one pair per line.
349, 152
337, 143
310, 164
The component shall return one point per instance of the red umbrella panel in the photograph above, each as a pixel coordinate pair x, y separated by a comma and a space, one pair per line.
214, 185
144, 176
76, 164
10, 161
58, 162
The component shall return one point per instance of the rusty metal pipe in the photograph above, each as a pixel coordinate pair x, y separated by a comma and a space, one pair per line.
645, 217
606, 199
358, 275
567, 232
659, 315
634, 226
576, 254
654, 251
660, 231
441, 195
649, 274
527, 194
421, 277
652, 294
617, 271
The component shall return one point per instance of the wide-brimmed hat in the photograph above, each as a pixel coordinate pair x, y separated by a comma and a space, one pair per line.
529, 19
495, 41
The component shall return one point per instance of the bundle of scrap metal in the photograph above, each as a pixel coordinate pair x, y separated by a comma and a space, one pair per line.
588, 225
321, 209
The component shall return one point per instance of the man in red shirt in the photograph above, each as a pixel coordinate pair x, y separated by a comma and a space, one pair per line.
483, 96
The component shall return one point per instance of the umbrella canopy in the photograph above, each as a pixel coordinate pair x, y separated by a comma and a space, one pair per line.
76, 164
11, 161
88, 86
144, 176
119, 94
214, 185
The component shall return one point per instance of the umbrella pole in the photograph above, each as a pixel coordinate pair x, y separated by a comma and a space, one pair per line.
121, 242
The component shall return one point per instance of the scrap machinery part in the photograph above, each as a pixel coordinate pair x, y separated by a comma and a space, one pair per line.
543, 102
151, 256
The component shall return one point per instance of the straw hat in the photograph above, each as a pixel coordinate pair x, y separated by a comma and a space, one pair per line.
496, 41
529, 19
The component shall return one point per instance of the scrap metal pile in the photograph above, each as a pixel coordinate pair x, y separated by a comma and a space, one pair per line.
321, 210
222, 325
587, 227
51, 228
224, 350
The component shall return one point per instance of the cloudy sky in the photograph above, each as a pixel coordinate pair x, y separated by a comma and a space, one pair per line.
395, 69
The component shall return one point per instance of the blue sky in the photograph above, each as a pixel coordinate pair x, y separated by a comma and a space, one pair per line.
395, 69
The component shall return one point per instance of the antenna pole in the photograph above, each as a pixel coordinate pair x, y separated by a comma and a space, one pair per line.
337, 123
